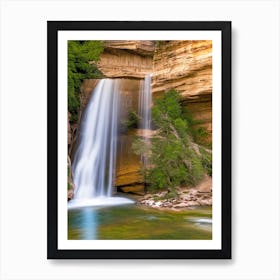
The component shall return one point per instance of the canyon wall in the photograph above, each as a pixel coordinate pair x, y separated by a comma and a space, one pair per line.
187, 67
127, 59
182, 65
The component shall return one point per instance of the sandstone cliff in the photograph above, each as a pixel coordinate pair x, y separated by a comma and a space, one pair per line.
182, 65
187, 67
122, 59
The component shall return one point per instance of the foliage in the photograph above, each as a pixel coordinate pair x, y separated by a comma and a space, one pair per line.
206, 160
173, 158
199, 134
170, 195
80, 53
131, 121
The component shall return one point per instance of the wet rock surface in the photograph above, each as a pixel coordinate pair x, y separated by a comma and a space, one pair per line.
186, 197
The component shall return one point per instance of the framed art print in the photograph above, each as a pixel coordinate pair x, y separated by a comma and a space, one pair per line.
139, 140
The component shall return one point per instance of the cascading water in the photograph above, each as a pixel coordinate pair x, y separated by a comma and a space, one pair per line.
145, 102
94, 161
144, 111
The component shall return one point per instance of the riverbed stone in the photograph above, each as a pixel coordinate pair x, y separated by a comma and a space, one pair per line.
187, 198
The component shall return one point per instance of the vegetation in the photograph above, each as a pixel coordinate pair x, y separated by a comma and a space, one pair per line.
130, 122
174, 159
206, 160
198, 133
80, 53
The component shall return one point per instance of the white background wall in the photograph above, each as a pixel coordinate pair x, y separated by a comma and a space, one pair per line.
255, 127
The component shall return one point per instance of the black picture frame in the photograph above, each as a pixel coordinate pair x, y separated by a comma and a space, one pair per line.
53, 27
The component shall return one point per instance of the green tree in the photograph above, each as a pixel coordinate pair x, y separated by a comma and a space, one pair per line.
82, 58
173, 158
198, 133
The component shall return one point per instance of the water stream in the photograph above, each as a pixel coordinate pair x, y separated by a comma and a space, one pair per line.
95, 158
144, 111
126, 222
145, 102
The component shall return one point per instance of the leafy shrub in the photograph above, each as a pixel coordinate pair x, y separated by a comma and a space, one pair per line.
206, 160
131, 121
82, 58
173, 157
198, 133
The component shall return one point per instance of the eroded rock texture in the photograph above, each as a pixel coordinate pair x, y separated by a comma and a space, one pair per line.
121, 59
187, 67
182, 65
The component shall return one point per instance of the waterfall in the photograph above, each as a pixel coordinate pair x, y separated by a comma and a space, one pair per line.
145, 102
94, 161
144, 111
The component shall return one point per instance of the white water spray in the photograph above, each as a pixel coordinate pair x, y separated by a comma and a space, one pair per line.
95, 158
145, 103
144, 111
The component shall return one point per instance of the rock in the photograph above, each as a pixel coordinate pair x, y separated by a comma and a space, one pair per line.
167, 204
150, 202
187, 67
132, 176
180, 205
184, 201
205, 186
137, 189
206, 202
192, 203
158, 203
182, 65
70, 194
140, 47
192, 192
147, 133
70, 183
132, 59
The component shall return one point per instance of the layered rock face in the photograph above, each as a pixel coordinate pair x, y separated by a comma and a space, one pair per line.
187, 67
132, 59
182, 65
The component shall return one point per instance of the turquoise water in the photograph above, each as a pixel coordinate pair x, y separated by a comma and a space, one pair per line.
134, 222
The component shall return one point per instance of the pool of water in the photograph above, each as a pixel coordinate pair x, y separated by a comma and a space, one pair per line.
133, 222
